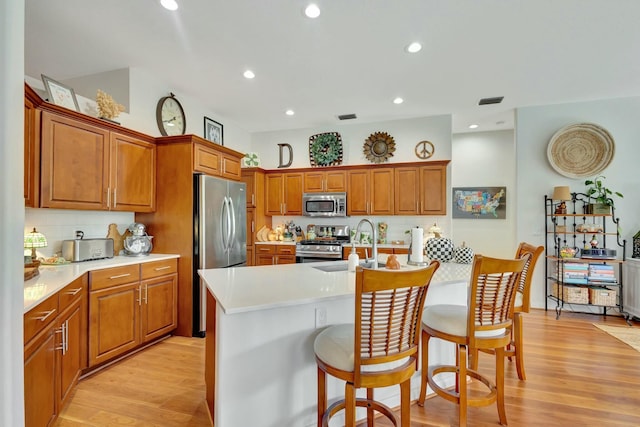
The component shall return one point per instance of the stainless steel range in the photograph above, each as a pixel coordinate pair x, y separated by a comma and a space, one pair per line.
324, 243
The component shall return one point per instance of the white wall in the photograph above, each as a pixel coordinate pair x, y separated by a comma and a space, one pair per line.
406, 134
534, 128
11, 211
486, 159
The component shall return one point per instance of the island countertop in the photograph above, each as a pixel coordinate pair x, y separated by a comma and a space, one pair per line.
242, 289
52, 278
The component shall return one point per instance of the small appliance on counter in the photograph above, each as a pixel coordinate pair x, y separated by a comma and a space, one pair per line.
138, 243
81, 249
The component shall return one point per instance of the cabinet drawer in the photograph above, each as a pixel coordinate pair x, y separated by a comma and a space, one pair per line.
286, 250
265, 249
159, 268
106, 278
72, 292
36, 319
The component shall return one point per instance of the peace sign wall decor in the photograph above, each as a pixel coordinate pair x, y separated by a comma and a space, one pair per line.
424, 150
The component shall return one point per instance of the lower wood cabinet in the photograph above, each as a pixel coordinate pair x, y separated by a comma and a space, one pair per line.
129, 306
275, 254
54, 352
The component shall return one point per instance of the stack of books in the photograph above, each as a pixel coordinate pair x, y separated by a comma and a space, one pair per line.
575, 273
601, 273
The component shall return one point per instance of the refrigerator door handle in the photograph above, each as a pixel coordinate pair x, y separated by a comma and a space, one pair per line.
232, 218
223, 217
227, 245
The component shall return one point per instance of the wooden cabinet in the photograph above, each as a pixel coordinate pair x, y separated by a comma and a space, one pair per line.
85, 166
130, 305
31, 148
283, 193
55, 351
325, 181
275, 254
256, 218
159, 308
212, 161
363, 251
420, 190
370, 191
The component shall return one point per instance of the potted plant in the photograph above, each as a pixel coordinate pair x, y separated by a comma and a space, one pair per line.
601, 194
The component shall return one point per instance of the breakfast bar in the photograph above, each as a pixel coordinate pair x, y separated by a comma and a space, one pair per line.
261, 323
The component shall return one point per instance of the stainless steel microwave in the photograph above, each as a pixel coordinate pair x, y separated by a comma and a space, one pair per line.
324, 204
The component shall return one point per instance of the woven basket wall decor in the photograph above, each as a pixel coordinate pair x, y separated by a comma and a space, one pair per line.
580, 150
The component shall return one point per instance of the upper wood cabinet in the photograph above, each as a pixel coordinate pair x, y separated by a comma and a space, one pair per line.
325, 181
254, 180
283, 193
211, 160
370, 191
84, 166
421, 190
31, 148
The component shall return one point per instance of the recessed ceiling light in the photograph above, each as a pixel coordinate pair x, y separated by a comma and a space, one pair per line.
398, 100
289, 112
414, 47
169, 4
473, 126
312, 11
248, 74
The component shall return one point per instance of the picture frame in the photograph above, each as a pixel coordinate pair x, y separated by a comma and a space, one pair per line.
213, 131
60, 94
479, 202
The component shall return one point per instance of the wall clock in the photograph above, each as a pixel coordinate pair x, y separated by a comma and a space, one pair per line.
170, 116
325, 149
379, 147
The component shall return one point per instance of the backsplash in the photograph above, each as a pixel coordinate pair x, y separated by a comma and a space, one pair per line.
60, 224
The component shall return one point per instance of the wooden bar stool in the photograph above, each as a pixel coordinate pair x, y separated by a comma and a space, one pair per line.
485, 323
522, 305
380, 349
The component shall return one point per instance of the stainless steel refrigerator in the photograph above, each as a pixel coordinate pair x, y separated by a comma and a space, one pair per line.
220, 234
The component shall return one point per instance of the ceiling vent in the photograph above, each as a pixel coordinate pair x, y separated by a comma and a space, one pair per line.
347, 116
494, 100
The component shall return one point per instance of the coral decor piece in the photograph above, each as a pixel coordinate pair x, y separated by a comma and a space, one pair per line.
107, 107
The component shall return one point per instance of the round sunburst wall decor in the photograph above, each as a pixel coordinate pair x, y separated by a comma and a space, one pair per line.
379, 147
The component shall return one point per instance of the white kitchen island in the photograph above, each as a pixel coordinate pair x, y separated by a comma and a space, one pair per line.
261, 324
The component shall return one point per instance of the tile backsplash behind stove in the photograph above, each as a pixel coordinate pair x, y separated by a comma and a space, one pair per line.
60, 224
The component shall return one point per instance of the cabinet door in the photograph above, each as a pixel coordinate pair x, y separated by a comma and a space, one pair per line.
285, 259
249, 181
335, 181
159, 310
314, 182
293, 183
274, 184
381, 192
113, 321
251, 226
231, 168
358, 193
407, 191
206, 160
72, 323
40, 407
31, 154
250, 256
133, 174
264, 259
74, 164
433, 194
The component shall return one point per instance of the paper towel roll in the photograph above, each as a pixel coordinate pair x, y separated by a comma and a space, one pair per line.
417, 244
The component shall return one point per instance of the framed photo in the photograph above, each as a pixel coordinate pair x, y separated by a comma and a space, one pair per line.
60, 94
479, 202
213, 131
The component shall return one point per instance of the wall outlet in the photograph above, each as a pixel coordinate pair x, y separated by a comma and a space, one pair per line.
321, 317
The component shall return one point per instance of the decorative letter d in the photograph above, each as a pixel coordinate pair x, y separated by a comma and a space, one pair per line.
281, 146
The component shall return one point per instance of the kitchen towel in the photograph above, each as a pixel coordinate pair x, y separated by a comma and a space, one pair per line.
417, 244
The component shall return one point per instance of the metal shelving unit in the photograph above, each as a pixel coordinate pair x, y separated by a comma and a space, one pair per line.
566, 282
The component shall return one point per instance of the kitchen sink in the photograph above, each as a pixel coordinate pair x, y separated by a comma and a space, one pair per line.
342, 266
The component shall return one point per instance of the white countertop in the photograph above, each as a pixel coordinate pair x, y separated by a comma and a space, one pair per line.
242, 289
52, 278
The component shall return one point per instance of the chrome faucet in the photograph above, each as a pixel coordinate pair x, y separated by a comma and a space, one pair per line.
374, 242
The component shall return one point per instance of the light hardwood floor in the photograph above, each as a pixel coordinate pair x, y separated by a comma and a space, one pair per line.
576, 375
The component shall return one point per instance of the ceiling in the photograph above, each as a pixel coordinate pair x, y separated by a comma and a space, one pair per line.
351, 59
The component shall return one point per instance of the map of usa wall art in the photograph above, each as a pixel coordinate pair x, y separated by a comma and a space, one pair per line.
480, 202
